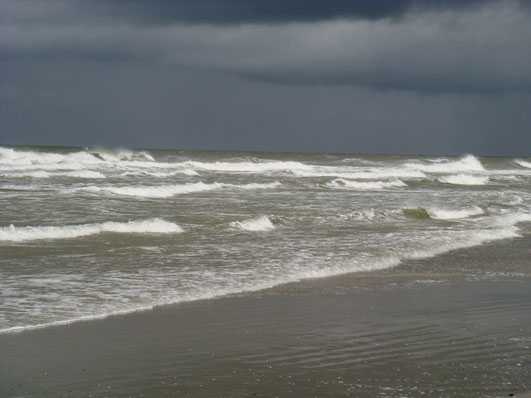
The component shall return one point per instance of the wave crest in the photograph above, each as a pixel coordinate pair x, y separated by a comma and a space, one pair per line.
442, 214
173, 190
121, 155
464, 179
262, 223
247, 167
19, 234
365, 185
466, 163
523, 163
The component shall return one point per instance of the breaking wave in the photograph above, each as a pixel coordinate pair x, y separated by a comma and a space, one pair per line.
19, 234
87, 174
177, 189
365, 185
254, 224
443, 214
122, 155
367, 174
31, 174
247, 167
419, 213
464, 179
144, 173
11, 159
523, 163
467, 163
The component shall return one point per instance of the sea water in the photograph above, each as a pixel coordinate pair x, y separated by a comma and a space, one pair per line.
86, 233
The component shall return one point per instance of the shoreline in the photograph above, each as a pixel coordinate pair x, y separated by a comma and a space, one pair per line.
406, 269
461, 329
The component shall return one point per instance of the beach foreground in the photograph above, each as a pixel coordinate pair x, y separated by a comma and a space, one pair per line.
391, 333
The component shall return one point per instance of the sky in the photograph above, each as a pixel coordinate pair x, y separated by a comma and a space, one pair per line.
444, 77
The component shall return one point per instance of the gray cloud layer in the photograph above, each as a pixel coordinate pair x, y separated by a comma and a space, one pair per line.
163, 12
401, 79
483, 49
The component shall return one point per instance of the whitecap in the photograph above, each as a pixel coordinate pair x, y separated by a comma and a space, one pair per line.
464, 179
523, 163
20, 234
11, 159
247, 167
365, 185
262, 223
466, 163
144, 173
87, 174
121, 155
445, 214
32, 174
167, 191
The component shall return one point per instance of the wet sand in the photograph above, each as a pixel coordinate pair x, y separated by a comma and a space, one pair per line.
458, 325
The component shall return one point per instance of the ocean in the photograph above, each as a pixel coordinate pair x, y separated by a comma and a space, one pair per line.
89, 232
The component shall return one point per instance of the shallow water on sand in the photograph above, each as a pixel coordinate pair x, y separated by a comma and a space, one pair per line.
391, 333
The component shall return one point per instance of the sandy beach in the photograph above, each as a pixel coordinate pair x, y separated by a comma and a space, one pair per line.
395, 333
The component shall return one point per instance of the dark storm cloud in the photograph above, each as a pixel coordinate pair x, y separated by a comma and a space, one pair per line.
336, 76
476, 49
156, 12
160, 107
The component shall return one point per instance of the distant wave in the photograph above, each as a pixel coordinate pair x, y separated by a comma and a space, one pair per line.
167, 191
523, 163
87, 174
365, 185
144, 173
254, 224
467, 163
20, 160
26, 160
31, 174
80, 174
366, 174
19, 234
121, 155
464, 179
247, 167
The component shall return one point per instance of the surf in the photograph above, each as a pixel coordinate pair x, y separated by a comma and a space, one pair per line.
31, 233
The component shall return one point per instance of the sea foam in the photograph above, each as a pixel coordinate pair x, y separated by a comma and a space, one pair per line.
373, 173
365, 185
19, 234
523, 163
248, 167
467, 163
20, 160
167, 191
254, 224
464, 179
86, 174
444, 214
144, 173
